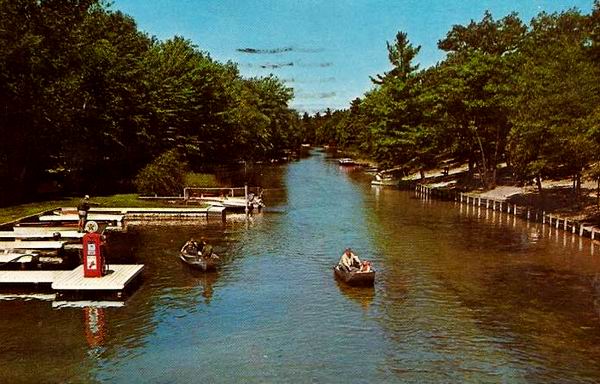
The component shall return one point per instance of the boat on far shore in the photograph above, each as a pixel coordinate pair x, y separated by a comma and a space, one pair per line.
385, 180
347, 161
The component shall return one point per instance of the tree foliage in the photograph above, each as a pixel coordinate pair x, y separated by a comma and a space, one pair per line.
527, 95
86, 99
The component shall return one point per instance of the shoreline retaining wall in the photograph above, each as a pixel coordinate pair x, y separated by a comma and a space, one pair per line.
526, 213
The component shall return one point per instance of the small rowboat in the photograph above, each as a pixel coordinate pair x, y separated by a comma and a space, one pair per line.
200, 262
385, 180
346, 161
355, 278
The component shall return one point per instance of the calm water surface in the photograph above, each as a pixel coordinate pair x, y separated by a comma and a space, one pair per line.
462, 295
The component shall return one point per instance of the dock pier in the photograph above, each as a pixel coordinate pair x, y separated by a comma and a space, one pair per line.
32, 252
120, 280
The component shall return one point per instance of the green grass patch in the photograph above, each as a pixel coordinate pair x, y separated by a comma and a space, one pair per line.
9, 214
207, 180
123, 200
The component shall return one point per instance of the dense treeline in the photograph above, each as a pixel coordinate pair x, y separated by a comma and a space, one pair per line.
528, 95
87, 100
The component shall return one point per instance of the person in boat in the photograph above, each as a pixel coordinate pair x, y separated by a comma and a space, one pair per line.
202, 246
349, 261
191, 247
207, 251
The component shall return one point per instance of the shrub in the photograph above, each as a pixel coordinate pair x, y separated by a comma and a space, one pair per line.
165, 176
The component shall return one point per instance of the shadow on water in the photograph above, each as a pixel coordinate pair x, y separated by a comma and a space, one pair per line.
203, 280
364, 296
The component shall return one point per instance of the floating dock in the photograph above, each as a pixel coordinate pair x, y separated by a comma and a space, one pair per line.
32, 245
163, 212
40, 233
114, 222
120, 280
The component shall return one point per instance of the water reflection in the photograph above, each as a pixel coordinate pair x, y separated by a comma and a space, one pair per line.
361, 295
462, 295
95, 326
202, 280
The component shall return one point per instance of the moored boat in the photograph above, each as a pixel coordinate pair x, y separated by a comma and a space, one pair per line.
355, 278
385, 180
347, 161
200, 262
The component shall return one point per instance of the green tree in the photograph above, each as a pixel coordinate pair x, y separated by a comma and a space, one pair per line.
475, 89
556, 109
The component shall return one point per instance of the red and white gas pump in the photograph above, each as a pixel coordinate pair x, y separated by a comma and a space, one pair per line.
93, 260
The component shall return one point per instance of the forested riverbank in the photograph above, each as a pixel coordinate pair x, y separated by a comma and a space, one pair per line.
524, 96
92, 104
88, 100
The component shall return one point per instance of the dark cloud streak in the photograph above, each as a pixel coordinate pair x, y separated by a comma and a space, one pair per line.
310, 81
271, 51
264, 51
319, 95
315, 65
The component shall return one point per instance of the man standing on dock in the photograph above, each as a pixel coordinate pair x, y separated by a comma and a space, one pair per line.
82, 210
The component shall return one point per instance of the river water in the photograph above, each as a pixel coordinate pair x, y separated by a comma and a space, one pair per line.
462, 295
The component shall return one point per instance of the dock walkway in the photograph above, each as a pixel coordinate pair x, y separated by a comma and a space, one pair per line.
72, 284
45, 245
39, 233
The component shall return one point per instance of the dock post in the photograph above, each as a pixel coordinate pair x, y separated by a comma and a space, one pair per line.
245, 197
580, 229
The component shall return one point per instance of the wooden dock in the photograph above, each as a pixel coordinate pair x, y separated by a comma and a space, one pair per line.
115, 282
72, 284
27, 277
164, 212
38, 233
58, 217
27, 245
116, 217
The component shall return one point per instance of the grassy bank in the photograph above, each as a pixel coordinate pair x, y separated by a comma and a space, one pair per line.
9, 214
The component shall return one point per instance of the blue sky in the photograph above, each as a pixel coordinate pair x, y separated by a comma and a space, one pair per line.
325, 50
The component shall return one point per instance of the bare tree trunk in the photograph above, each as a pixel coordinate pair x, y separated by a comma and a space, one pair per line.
484, 168
598, 192
471, 166
538, 182
422, 173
